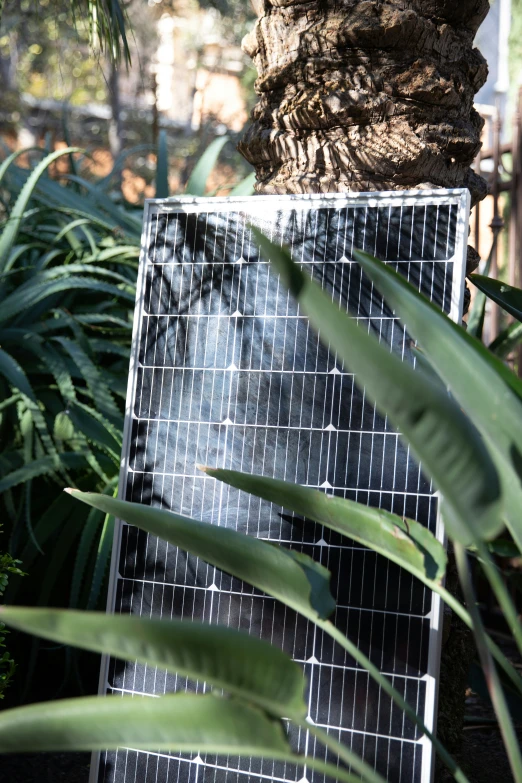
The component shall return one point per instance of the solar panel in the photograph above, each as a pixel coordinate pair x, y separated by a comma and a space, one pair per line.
227, 372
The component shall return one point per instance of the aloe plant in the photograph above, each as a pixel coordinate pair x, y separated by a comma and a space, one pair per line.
68, 265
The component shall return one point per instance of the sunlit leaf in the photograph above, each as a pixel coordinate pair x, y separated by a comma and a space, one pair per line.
270, 568
237, 662
440, 434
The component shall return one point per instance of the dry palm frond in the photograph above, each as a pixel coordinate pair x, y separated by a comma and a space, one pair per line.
107, 22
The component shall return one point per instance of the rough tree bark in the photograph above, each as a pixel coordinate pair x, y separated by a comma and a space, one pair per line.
365, 95
371, 95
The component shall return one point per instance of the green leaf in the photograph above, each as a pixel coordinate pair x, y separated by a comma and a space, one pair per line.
44, 466
245, 187
15, 375
50, 522
479, 381
477, 313
91, 528
162, 167
13, 156
101, 561
406, 542
102, 395
196, 185
107, 21
89, 269
504, 548
440, 435
96, 429
12, 226
244, 666
269, 568
509, 298
31, 341
184, 722
28, 295
496, 692
507, 341
63, 427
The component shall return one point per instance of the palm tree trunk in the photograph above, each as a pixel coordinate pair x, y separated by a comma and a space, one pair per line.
367, 95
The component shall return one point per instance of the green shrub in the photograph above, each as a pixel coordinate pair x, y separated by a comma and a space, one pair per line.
68, 265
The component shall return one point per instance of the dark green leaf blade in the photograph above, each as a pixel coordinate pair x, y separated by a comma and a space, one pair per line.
183, 722
507, 341
454, 455
43, 466
196, 186
241, 664
406, 542
488, 391
12, 227
270, 568
508, 297
162, 166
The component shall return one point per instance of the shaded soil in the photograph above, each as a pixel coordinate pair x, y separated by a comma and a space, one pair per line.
45, 768
482, 756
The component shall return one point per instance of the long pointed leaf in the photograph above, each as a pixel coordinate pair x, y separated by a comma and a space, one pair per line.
196, 185
85, 546
15, 375
477, 313
441, 436
479, 381
13, 156
240, 664
44, 466
102, 560
407, 543
102, 395
267, 567
507, 341
183, 723
28, 295
245, 187
12, 226
162, 167
508, 297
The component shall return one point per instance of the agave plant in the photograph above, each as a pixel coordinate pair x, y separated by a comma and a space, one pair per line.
68, 265
473, 459
67, 285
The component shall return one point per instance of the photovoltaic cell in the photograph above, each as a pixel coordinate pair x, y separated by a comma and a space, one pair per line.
226, 371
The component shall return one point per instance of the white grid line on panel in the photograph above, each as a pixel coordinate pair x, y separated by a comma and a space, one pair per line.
225, 444
266, 597
326, 726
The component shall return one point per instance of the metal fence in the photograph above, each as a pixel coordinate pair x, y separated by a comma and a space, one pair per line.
497, 221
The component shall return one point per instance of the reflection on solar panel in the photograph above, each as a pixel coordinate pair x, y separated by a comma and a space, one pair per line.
227, 372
